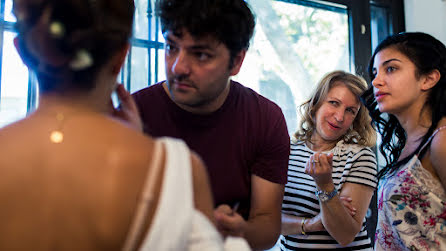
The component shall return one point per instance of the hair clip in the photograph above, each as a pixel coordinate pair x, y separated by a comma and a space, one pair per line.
81, 61
57, 29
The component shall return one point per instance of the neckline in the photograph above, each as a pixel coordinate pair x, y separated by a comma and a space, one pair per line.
403, 164
332, 150
183, 113
417, 151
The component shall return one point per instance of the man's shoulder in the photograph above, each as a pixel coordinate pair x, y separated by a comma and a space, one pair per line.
149, 95
149, 90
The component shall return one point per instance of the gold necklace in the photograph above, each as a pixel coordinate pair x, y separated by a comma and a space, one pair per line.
57, 136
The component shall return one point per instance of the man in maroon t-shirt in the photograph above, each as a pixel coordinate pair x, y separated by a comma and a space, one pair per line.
241, 136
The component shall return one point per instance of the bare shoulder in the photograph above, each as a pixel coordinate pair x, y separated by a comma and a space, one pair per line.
200, 177
438, 144
199, 173
198, 169
438, 152
15, 136
202, 190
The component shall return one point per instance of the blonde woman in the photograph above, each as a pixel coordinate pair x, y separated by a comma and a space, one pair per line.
330, 158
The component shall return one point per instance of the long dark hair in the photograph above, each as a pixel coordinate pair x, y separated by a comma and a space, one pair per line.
427, 54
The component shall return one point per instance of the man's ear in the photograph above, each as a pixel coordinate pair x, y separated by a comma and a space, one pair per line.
120, 58
431, 79
19, 50
237, 63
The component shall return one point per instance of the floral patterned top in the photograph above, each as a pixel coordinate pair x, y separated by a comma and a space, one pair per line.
411, 209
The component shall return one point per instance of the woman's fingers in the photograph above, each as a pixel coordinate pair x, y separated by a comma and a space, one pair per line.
347, 202
309, 165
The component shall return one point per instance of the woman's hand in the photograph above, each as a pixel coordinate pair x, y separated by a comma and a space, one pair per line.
127, 112
347, 202
315, 223
319, 166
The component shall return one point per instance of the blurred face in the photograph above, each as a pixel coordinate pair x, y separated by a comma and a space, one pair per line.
197, 71
335, 116
396, 87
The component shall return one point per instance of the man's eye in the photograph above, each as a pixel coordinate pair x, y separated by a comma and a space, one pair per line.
169, 47
202, 56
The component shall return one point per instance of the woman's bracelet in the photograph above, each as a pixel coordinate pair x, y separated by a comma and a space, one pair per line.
302, 225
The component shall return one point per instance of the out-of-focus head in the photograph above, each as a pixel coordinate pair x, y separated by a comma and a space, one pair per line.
427, 54
66, 42
230, 22
361, 130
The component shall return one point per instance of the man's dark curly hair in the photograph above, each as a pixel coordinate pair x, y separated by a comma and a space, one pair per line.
231, 22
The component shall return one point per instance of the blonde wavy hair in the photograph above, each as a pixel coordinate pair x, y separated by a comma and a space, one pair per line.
361, 132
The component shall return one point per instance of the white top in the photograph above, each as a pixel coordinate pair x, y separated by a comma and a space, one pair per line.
176, 224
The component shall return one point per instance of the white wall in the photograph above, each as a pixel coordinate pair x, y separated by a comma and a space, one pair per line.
428, 16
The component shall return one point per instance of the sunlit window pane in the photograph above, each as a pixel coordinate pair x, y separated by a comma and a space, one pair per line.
161, 66
141, 21
8, 11
139, 71
285, 61
14, 83
379, 24
145, 24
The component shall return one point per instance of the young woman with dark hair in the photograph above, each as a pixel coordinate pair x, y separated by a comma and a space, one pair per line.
406, 102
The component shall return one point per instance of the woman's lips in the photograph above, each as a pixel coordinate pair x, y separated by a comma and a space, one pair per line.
380, 95
334, 127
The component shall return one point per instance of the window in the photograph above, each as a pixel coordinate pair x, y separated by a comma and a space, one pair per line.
295, 43
145, 61
385, 18
15, 85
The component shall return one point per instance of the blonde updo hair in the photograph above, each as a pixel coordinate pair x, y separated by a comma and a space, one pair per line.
361, 132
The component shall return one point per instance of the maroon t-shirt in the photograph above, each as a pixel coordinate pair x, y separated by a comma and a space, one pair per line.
247, 135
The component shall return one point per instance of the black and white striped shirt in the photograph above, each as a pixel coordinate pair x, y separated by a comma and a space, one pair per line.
351, 163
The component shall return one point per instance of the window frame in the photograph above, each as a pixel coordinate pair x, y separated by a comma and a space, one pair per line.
358, 18
359, 22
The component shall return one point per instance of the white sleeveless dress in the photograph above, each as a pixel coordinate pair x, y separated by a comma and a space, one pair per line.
177, 225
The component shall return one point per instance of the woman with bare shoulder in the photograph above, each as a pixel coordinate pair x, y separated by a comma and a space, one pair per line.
73, 176
406, 102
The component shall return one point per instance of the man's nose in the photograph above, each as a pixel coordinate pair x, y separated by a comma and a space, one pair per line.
181, 65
